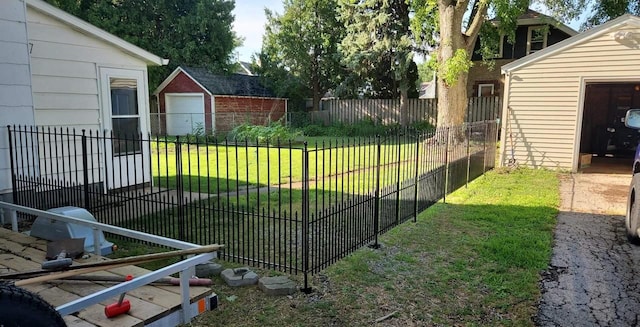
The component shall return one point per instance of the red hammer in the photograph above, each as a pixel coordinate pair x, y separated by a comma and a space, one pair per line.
121, 307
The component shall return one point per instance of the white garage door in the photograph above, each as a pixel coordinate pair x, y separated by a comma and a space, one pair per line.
185, 113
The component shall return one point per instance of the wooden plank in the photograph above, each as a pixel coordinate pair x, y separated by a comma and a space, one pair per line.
57, 297
156, 295
140, 309
73, 321
16, 263
148, 302
95, 315
196, 292
23, 239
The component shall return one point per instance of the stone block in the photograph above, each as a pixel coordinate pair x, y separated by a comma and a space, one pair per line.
239, 277
280, 285
208, 269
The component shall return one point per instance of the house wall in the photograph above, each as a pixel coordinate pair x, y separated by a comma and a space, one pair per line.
481, 74
544, 98
519, 48
16, 103
183, 84
64, 66
65, 73
232, 111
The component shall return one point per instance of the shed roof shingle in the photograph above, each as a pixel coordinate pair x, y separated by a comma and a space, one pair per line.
234, 84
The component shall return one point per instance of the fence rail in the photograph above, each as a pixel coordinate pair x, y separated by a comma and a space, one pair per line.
387, 111
290, 207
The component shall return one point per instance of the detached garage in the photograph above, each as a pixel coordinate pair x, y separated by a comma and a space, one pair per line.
193, 100
565, 105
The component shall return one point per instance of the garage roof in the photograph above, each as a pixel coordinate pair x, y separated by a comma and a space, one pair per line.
214, 84
233, 84
607, 27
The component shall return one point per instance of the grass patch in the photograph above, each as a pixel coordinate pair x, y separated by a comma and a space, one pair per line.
222, 167
130, 248
472, 261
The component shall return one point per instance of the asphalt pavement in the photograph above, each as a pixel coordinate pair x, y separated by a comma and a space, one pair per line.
593, 278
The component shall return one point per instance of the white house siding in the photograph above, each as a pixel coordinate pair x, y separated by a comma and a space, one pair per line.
16, 104
66, 91
65, 72
544, 98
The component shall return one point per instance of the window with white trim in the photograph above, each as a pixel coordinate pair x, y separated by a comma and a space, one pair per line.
125, 116
500, 49
485, 90
536, 39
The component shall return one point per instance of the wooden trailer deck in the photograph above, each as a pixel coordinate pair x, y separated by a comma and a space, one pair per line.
150, 305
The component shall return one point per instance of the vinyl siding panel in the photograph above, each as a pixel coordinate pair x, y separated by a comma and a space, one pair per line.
64, 68
16, 103
65, 85
544, 97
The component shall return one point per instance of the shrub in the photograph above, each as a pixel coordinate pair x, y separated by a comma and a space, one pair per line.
274, 132
422, 126
314, 130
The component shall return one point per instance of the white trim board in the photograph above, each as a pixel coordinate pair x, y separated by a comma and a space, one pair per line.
607, 27
96, 32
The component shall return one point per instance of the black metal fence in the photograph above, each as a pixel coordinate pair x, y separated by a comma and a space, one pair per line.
294, 207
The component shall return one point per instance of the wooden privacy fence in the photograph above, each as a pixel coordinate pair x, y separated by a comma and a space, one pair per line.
387, 111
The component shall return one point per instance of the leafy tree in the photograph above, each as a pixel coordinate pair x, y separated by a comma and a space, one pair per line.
378, 46
188, 32
426, 71
440, 24
600, 11
303, 43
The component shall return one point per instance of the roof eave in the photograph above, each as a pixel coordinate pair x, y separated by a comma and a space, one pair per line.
148, 57
584, 36
559, 25
173, 75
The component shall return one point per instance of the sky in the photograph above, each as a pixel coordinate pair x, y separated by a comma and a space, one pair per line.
250, 21
249, 24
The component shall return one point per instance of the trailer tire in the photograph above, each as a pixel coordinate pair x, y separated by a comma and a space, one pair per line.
19, 307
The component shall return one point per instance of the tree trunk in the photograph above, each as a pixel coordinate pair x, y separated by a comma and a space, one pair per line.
452, 99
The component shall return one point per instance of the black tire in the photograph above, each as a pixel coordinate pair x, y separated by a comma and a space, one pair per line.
633, 213
21, 308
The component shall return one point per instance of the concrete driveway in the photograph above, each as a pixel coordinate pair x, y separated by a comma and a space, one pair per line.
593, 276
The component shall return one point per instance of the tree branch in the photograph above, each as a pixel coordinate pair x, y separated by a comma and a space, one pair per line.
474, 28
462, 5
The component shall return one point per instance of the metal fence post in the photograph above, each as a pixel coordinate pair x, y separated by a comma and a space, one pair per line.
446, 164
305, 218
469, 128
376, 221
484, 147
415, 178
12, 150
399, 160
180, 190
85, 170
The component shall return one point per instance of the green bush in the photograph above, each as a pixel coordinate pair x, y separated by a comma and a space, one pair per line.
422, 126
314, 130
364, 128
274, 132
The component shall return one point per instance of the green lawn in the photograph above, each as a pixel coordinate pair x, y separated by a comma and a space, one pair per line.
473, 261
220, 168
